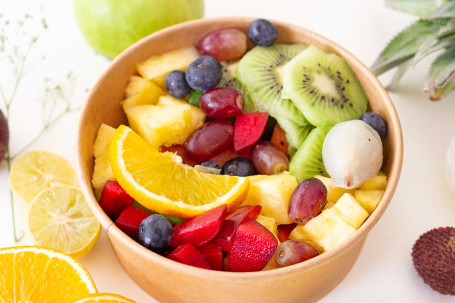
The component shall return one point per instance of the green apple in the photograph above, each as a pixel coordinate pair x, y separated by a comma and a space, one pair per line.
110, 26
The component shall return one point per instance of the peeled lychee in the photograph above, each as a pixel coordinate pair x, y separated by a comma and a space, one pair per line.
433, 255
352, 153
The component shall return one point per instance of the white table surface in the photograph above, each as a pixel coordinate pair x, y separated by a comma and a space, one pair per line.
423, 200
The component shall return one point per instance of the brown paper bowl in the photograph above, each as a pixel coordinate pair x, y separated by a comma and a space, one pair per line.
169, 281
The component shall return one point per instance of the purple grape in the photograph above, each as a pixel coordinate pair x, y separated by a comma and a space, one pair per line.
268, 159
292, 252
221, 103
307, 200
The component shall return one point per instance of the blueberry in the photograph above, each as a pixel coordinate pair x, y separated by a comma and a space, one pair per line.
155, 233
203, 73
176, 84
210, 164
239, 166
377, 122
262, 32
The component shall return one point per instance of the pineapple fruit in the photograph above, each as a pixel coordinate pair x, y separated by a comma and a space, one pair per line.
333, 193
157, 67
269, 223
141, 91
337, 222
168, 122
272, 193
102, 171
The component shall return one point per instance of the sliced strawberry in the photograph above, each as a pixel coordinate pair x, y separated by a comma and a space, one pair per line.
284, 230
229, 154
179, 150
213, 255
248, 129
114, 199
130, 219
189, 255
254, 246
225, 238
200, 229
279, 139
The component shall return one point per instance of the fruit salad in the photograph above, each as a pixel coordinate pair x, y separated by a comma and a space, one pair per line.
241, 158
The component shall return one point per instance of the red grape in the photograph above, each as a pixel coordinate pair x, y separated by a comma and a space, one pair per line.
4, 136
268, 159
307, 200
225, 44
221, 103
209, 139
292, 252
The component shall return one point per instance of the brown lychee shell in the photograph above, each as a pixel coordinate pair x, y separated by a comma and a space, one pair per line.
433, 255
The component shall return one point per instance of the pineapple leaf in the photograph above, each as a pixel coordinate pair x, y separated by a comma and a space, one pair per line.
442, 69
406, 44
446, 11
402, 68
420, 8
436, 45
439, 93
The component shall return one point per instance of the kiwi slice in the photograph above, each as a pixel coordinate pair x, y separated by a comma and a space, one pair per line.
259, 71
228, 79
307, 161
323, 87
295, 134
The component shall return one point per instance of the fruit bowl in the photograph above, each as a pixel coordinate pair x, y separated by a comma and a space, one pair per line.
169, 281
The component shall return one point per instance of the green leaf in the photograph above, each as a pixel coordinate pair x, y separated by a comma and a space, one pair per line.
442, 69
406, 44
436, 45
439, 93
402, 68
446, 11
420, 8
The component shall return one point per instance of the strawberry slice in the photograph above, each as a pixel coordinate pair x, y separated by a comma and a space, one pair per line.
130, 219
213, 255
200, 229
189, 255
114, 199
284, 230
225, 238
254, 246
248, 129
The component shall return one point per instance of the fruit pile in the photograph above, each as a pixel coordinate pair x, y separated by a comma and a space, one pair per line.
228, 153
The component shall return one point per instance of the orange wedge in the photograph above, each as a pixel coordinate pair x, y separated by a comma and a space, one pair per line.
161, 182
38, 274
104, 298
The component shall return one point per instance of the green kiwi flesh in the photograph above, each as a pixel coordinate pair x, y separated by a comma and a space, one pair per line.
259, 71
295, 134
323, 87
228, 79
307, 161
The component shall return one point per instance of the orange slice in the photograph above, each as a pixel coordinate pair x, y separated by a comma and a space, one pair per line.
161, 182
104, 298
38, 274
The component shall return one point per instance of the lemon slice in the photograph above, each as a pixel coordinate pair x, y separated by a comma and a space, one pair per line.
104, 298
159, 181
38, 274
36, 171
60, 218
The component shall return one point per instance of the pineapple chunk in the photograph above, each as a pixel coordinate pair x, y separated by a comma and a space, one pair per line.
369, 199
268, 223
375, 183
169, 122
157, 67
102, 171
333, 193
324, 231
141, 91
273, 194
350, 211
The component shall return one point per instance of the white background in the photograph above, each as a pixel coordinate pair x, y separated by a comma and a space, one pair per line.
423, 200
